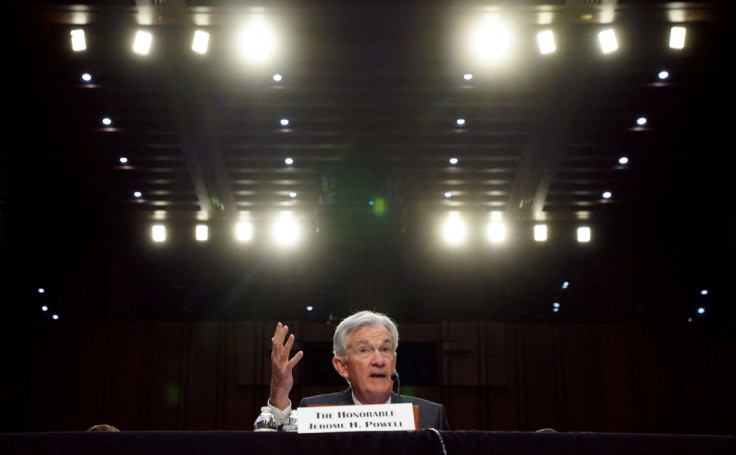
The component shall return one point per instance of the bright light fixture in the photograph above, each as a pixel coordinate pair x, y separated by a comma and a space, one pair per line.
79, 42
285, 230
86, 77
454, 230
257, 41
608, 41
546, 42
289, 161
244, 231
277, 78
496, 232
284, 122
142, 43
641, 121
200, 42
607, 195
491, 40
623, 160
583, 234
107, 121
663, 75
460, 122
677, 37
201, 232
540, 232
158, 233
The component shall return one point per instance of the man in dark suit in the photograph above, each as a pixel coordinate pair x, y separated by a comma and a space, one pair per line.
364, 347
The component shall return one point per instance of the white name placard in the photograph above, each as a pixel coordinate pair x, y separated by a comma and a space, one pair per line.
375, 417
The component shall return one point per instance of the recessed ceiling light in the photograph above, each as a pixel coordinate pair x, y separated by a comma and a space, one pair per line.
200, 42
663, 75
107, 121
453, 161
460, 122
607, 195
623, 160
123, 160
448, 194
86, 77
467, 76
277, 77
284, 122
641, 121
79, 43
137, 194
289, 161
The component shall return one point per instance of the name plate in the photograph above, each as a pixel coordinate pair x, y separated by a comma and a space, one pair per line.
375, 417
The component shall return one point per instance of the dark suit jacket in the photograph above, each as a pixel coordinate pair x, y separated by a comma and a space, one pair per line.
431, 415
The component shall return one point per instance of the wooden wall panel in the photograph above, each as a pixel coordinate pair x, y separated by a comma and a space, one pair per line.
128, 379
17, 355
164, 379
616, 352
655, 386
50, 400
540, 401
214, 376
91, 376
580, 379
203, 391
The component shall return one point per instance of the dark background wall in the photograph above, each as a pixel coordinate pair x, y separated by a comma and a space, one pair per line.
490, 376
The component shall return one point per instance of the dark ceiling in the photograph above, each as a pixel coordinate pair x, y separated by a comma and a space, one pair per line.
372, 91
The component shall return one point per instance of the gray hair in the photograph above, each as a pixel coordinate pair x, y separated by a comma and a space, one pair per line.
359, 321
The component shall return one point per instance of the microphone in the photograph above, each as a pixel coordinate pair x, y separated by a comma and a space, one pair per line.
395, 378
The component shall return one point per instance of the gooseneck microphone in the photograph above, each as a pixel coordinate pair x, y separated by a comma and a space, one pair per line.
395, 378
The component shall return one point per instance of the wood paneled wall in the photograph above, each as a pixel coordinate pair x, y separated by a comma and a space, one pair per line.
489, 376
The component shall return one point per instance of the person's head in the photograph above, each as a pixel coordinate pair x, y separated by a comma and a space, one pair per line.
103, 427
364, 346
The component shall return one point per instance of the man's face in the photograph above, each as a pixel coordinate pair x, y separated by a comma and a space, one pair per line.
370, 363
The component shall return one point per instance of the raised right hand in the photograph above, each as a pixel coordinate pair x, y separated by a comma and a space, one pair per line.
282, 378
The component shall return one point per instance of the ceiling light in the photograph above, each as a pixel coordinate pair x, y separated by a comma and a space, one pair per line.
546, 42
608, 41
200, 42
201, 232
158, 233
284, 122
137, 194
540, 232
448, 194
496, 232
453, 161
703, 292
277, 78
467, 76
607, 195
583, 234
491, 40
460, 122
44, 308
454, 230
244, 231
55, 317
285, 230
142, 43
623, 160
641, 121
106, 121
293, 194
677, 37
663, 75
79, 43
86, 77
257, 41
289, 161
41, 290
123, 160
